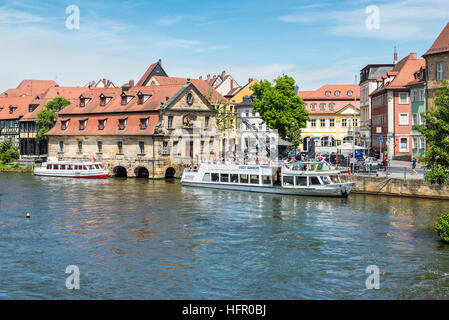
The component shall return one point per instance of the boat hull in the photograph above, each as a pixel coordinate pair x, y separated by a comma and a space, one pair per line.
338, 191
100, 175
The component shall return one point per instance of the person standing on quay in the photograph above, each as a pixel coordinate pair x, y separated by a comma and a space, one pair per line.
414, 166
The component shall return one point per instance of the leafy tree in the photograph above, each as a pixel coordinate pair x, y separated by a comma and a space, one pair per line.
281, 108
436, 133
8, 152
46, 118
442, 226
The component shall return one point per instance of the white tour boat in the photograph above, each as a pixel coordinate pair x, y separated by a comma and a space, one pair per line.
295, 178
68, 169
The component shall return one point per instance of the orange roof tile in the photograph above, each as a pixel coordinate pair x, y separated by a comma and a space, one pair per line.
18, 104
29, 87
332, 88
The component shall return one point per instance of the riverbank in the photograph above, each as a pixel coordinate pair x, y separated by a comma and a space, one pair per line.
15, 168
416, 188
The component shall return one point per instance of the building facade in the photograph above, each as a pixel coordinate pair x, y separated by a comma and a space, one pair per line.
334, 117
141, 131
418, 108
437, 65
391, 110
368, 84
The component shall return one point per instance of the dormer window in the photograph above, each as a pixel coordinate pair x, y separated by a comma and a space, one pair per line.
124, 100
313, 106
11, 110
121, 124
101, 124
83, 124
322, 106
140, 98
331, 106
82, 102
102, 100
350, 93
327, 93
64, 124
337, 93
143, 123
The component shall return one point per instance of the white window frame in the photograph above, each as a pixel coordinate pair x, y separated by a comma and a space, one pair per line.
415, 119
401, 101
400, 145
440, 68
400, 119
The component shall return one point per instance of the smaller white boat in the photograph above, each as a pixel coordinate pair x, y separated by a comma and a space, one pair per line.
68, 169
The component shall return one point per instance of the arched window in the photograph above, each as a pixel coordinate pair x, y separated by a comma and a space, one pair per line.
322, 106
327, 93
327, 142
313, 106
331, 106
350, 93
337, 93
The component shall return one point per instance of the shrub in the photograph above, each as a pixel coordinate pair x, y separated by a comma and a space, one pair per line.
442, 226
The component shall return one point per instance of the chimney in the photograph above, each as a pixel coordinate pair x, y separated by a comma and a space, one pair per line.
223, 73
201, 77
159, 61
188, 79
395, 56
250, 79
208, 78
413, 54
131, 83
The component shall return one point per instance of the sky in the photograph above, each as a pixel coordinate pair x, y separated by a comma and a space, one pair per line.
315, 42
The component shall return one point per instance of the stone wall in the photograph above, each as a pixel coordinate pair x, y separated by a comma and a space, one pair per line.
431, 69
398, 187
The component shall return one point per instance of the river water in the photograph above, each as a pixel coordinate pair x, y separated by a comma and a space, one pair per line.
143, 239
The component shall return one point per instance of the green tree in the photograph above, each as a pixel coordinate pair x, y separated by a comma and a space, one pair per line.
46, 118
442, 226
436, 133
8, 152
281, 108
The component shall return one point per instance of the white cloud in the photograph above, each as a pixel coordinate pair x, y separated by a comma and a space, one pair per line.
403, 20
168, 20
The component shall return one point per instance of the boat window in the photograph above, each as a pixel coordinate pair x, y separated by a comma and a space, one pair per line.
91, 167
326, 180
62, 167
69, 167
288, 181
48, 166
335, 179
234, 178
206, 177
243, 178
301, 181
85, 168
224, 177
266, 180
55, 167
215, 177
254, 179
314, 181
98, 166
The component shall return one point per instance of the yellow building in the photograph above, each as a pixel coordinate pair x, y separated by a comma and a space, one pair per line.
246, 90
334, 116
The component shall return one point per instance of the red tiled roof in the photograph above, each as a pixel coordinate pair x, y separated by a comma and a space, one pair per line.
111, 127
441, 43
29, 87
70, 93
405, 70
202, 85
158, 96
339, 105
20, 105
321, 92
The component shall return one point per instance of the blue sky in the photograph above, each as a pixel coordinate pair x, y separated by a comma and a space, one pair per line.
316, 42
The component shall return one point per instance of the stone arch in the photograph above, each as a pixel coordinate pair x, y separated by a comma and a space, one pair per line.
170, 172
120, 171
141, 172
